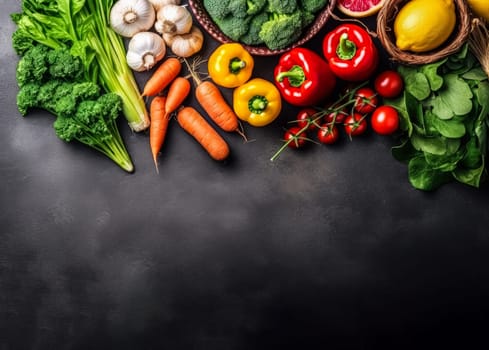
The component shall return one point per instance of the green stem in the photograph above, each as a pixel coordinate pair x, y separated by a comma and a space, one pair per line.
257, 104
296, 76
236, 65
346, 49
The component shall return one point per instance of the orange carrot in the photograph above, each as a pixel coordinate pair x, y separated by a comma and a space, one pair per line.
158, 126
212, 101
214, 104
177, 93
162, 77
196, 125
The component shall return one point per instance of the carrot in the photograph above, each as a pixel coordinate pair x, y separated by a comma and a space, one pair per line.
162, 77
177, 93
196, 125
158, 126
214, 104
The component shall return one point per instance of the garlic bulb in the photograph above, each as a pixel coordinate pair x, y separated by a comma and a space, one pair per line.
185, 45
157, 4
128, 17
144, 50
173, 19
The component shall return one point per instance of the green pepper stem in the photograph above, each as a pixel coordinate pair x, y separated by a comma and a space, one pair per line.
296, 76
257, 104
236, 65
346, 49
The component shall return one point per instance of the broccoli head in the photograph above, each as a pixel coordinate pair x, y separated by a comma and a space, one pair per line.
255, 6
281, 29
252, 37
313, 5
217, 9
238, 8
234, 27
282, 6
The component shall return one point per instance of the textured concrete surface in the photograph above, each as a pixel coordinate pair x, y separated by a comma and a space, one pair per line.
326, 248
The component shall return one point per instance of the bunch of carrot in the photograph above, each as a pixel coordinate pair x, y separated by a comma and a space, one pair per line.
168, 91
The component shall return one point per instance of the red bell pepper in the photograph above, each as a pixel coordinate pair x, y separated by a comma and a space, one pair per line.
303, 77
350, 52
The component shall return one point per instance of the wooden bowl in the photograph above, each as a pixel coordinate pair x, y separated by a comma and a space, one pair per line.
202, 16
385, 32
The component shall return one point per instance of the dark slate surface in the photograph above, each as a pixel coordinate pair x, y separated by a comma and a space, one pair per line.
326, 248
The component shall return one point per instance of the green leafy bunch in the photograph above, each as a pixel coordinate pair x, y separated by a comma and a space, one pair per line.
53, 80
444, 113
83, 27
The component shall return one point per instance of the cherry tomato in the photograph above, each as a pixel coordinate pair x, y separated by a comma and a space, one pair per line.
306, 118
366, 100
338, 117
389, 84
385, 120
328, 134
355, 124
298, 138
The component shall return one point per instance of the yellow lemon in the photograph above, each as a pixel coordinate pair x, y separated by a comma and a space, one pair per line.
480, 8
423, 25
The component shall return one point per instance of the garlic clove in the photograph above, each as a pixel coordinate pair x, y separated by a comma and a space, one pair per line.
157, 4
144, 50
173, 19
128, 17
185, 45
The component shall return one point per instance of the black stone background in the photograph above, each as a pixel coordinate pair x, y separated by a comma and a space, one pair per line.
326, 248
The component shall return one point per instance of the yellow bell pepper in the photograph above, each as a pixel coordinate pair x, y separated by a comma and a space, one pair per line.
257, 102
230, 65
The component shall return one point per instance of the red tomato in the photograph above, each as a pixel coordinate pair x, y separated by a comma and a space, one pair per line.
306, 118
338, 117
328, 134
385, 120
389, 84
366, 100
355, 124
296, 137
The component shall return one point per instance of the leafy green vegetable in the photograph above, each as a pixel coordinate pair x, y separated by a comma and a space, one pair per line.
444, 117
83, 27
82, 111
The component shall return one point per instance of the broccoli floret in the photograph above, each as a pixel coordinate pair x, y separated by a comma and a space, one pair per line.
307, 18
234, 27
313, 6
282, 6
238, 8
281, 29
62, 64
217, 9
252, 37
255, 6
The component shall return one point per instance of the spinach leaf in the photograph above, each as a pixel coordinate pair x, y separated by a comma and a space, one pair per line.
415, 82
423, 177
431, 72
449, 128
457, 94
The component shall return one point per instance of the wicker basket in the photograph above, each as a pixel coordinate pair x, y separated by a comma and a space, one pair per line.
206, 22
385, 23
